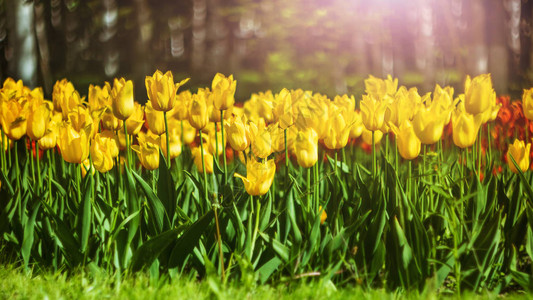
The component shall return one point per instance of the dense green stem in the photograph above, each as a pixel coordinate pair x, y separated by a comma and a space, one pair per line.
219, 239
286, 154
168, 139
203, 165
223, 146
373, 156
128, 158
309, 205
38, 183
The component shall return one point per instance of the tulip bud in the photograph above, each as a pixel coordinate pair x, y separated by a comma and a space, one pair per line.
479, 94
520, 153
372, 112
223, 91
408, 143
527, 103
465, 128
198, 117
148, 154
162, 90
122, 98
306, 148
37, 121
208, 160
155, 119
74, 145
259, 176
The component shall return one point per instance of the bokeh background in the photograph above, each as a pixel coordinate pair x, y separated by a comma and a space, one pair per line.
328, 46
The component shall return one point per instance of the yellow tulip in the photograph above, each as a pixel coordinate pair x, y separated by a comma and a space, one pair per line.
378, 87
112, 142
110, 122
323, 215
148, 154
99, 97
238, 133
520, 153
262, 141
314, 113
306, 148
283, 109
208, 160
367, 136
65, 97
265, 106
357, 126
372, 112
189, 132
479, 94
155, 119
527, 103
259, 176
174, 139
428, 123
14, 118
86, 166
135, 122
465, 128
198, 117
49, 140
122, 98
37, 121
181, 109
80, 118
337, 130
12, 89
101, 153
74, 145
408, 143
223, 91
162, 90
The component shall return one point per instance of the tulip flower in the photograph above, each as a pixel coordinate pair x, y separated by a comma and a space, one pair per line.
428, 123
109, 121
283, 109
49, 139
135, 122
377, 87
174, 139
112, 142
520, 152
80, 118
162, 90
465, 128
37, 121
306, 148
357, 126
262, 141
259, 177
223, 91
155, 119
238, 133
408, 143
372, 112
181, 109
74, 145
13, 117
198, 117
99, 97
314, 113
102, 153
65, 97
479, 94
208, 160
323, 215
367, 136
122, 98
527, 103
189, 132
148, 154
337, 131
85, 167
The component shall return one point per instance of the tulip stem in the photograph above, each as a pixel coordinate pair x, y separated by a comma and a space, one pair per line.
128, 158
3, 152
317, 185
223, 145
479, 154
286, 154
78, 179
373, 156
30, 157
219, 239
216, 142
49, 181
17, 170
203, 165
168, 139
309, 189
38, 167
256, 226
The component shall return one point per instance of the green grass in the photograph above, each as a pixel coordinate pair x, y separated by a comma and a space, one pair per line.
15, 284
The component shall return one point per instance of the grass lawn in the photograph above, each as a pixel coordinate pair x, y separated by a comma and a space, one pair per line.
15, 284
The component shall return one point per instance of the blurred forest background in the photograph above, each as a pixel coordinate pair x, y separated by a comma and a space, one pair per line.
328, 46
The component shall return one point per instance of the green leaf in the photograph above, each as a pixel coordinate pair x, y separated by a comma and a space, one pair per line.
189, 240
86, 210
27, 242
149, 251
157, 209
281, 250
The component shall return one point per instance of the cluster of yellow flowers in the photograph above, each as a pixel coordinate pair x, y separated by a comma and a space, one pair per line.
294, 121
